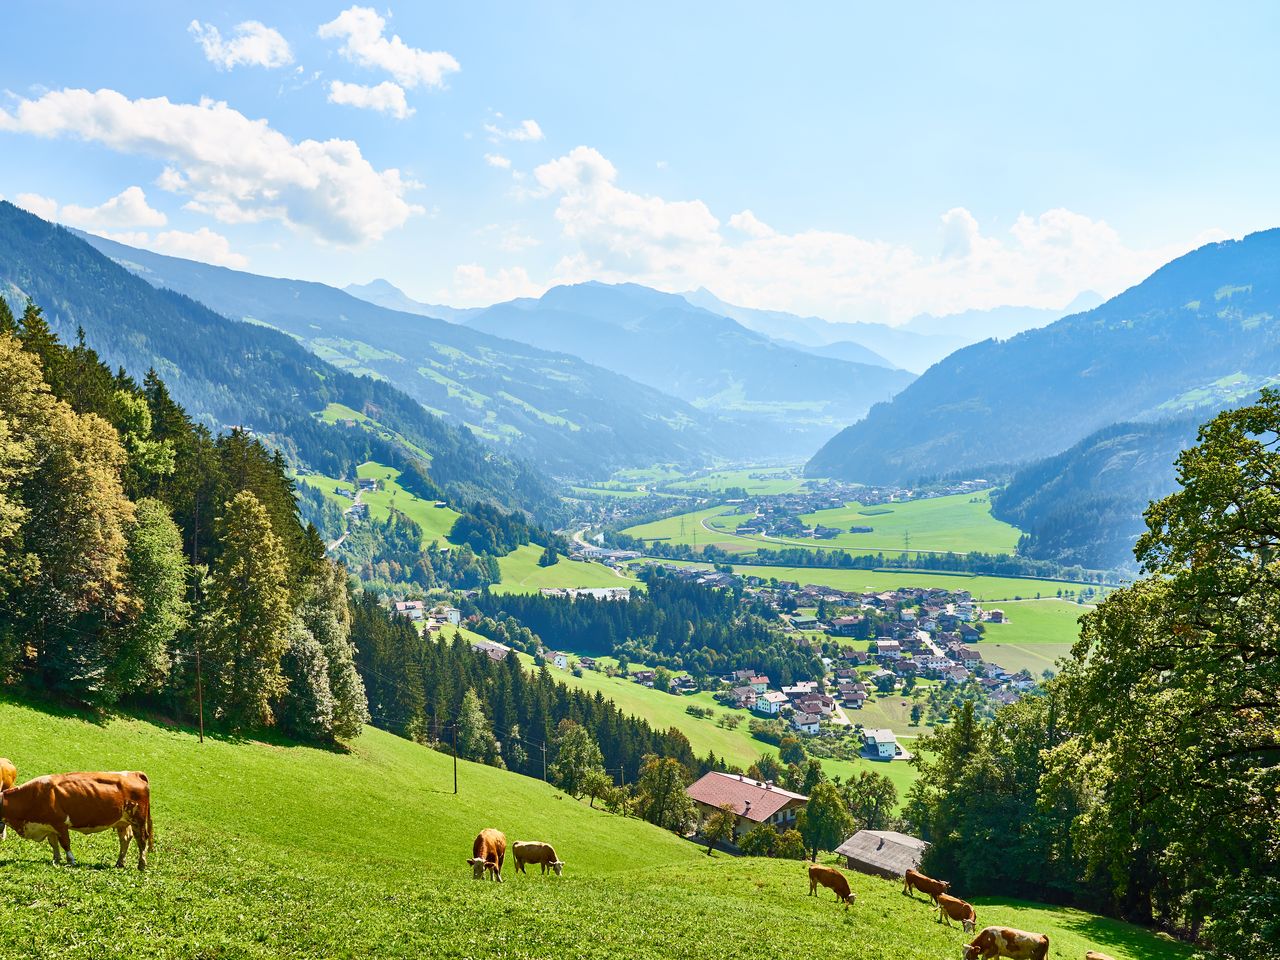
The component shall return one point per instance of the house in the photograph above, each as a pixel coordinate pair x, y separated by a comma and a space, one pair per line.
883, 853
450, 614
560, 659
994, 616
804, 622
587, 663
743, 697
771, 702
801, 689
970, 657
643, 677
888, 649
955, 673
491, 648
752, 801
848, 626
758, 683
806, 722
880, 744
410, 609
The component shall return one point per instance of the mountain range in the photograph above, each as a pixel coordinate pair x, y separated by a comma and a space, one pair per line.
232, 374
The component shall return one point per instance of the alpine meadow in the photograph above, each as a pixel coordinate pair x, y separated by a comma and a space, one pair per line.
640, 481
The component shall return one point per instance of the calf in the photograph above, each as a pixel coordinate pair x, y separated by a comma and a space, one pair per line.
953, 908
48, 808
995, 942
535, 851
487, 853
8, 777
831, 878
914, 880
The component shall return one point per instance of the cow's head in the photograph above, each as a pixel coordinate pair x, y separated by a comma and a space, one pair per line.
557, 866
971, 951
477, 867
968, 925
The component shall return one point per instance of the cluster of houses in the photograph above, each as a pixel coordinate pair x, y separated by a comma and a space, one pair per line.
804, 705
880, 853
597, 593
433, 619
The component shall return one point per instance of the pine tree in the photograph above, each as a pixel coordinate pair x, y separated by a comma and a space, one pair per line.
249, 618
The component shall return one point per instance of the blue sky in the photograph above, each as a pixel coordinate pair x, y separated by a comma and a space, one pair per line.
850, 160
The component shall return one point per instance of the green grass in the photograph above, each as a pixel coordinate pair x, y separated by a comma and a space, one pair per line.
961, 523
521, 573
279, 851
766, 481
1037, 634
436, 522
982, 587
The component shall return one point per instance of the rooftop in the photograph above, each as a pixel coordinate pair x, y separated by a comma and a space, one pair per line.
749, 798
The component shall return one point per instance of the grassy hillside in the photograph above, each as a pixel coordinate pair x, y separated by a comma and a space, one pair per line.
521, 573
268, 850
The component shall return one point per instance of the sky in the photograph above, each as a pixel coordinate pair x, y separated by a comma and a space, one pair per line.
851, 160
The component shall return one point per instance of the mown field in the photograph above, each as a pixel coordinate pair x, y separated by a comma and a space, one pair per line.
521, 573
436, 522
756, 481
1038, 634
272, 850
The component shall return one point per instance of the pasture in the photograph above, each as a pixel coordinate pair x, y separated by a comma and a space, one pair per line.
268, 850
521, 573
436, 522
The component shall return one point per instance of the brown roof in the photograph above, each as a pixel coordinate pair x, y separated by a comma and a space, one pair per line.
883, 850
749, 798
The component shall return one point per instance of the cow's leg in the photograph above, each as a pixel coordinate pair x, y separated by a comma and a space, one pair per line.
64, 838
57, 853
123, 833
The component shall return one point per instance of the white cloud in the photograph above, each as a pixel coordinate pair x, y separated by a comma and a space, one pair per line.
236, 169
526, 131
361, 31
129, 208
1043, 261
252, 44
46, 208
204, 245
473, 285
497, 160
386, 97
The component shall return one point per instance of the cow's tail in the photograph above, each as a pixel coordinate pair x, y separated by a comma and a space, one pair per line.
151, 831
1043, 952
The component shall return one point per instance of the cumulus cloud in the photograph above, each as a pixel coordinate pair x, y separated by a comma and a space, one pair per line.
386, 97
473, 285
361, 31
202, 244
252, 44
129, 208
526, 131
497, 160
1044, 261
228, 166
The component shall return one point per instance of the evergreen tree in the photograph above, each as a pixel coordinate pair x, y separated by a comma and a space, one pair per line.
306, 707
475, 738
248, 615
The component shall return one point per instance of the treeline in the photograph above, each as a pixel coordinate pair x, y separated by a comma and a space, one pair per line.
1146, 780
418, 688
135, 545
706, 631
388, 556
488, 529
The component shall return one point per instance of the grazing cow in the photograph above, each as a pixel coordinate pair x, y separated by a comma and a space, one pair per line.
995, 942
1095, 955
487, 853
831, 878
8, 777
953, 908
535, 851
914, 880
48, 808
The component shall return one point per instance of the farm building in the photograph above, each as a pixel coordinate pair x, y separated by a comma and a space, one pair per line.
880, 744
754, 802
882, 853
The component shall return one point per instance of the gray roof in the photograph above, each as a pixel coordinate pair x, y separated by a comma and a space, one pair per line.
884, 849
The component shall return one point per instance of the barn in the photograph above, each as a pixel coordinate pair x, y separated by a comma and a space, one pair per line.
883, 853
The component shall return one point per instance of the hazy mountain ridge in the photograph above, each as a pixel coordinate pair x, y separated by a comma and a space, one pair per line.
788, 397
565, 414
1207, 315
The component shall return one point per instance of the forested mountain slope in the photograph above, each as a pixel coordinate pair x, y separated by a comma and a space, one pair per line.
789, 398
565, 414
228, 373
1203, 327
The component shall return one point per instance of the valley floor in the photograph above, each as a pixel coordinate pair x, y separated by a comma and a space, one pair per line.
272, 850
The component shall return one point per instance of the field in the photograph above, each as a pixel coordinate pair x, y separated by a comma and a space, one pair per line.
757, 481
1039, 633
436, 522
521, 573
271, 850
982, 587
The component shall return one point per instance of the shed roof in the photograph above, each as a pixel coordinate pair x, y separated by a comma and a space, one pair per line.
885, 850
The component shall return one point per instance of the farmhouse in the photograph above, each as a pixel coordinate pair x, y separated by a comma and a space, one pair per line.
410, 609
806, 722
491, 648
752, 801
882, 853
771, 702
560, 659
880, 744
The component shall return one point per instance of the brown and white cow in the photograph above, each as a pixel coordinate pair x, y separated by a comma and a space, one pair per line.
953, 908
914, 880
8, 777
535, 851
995, 942
49, 808
487, 853
832, 879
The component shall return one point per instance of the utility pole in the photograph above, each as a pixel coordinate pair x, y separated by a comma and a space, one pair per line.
544, 763
455, 759
199, 689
